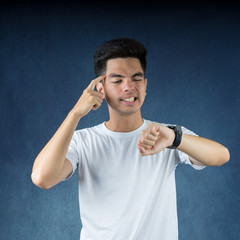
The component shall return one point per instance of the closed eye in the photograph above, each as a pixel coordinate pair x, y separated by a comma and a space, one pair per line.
117, 81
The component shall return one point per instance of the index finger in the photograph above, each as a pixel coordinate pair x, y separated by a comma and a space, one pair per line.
94, 82
152, 129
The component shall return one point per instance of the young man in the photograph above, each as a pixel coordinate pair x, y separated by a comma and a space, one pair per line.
126, 165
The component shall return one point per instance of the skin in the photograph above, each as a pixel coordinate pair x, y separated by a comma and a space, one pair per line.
124, 79
51, 167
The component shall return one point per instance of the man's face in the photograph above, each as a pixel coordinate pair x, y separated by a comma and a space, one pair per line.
124, 85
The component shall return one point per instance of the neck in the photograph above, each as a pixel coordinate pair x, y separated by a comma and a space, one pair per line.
124, 123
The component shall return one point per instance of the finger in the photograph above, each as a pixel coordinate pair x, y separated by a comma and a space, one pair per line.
144, 152
92, 93
97, 94
97, 104
149, 136
141, 150
96, 107
151, 126
145, 146
153, 131
94, 82
147, 142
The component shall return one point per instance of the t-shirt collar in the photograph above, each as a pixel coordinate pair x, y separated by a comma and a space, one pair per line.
123, 134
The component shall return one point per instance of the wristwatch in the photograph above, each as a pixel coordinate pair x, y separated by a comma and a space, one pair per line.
178, 136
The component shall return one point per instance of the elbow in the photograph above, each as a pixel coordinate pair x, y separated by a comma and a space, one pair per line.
224, 156
38, 181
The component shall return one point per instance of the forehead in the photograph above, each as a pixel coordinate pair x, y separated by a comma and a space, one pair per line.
123, 66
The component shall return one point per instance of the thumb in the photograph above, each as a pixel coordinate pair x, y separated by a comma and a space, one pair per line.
142, 151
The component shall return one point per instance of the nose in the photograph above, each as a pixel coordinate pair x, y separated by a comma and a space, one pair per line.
127, 85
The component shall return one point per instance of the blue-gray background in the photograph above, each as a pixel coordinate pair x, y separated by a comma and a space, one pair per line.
46, 61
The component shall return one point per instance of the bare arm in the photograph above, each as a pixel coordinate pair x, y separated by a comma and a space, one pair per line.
50, 167
202, 151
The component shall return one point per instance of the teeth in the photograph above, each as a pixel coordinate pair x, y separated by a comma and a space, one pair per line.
129, 99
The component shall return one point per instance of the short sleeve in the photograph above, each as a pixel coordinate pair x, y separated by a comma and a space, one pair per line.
72, 154
183, 157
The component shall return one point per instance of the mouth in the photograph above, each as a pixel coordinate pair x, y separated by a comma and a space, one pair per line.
131, 99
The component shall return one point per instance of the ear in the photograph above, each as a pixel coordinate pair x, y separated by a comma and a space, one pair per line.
145, 82
145, 85
100, 88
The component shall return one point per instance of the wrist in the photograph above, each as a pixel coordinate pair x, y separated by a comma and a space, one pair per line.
178, 136
172, 137
75, 115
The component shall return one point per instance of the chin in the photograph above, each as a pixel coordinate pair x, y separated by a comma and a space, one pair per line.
128, 112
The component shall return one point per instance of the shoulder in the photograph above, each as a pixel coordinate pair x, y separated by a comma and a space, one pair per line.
90, 131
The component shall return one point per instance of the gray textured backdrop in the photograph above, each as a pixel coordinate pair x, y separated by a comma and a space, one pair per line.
46, 61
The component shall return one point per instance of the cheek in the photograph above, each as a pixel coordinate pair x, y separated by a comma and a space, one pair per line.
142, 90
110, 93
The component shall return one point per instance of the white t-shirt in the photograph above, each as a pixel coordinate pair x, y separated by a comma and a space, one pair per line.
123, 195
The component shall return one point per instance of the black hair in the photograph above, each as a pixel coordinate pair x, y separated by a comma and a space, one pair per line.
118, 48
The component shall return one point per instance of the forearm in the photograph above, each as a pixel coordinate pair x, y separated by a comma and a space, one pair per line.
50, 166
204, 151
49, 163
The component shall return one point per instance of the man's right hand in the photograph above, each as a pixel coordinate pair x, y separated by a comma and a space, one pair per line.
90, 99
51, 165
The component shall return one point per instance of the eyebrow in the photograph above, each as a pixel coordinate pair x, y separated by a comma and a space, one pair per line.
138, 74
116, 75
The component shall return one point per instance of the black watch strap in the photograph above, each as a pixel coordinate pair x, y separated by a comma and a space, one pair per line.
178, 136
